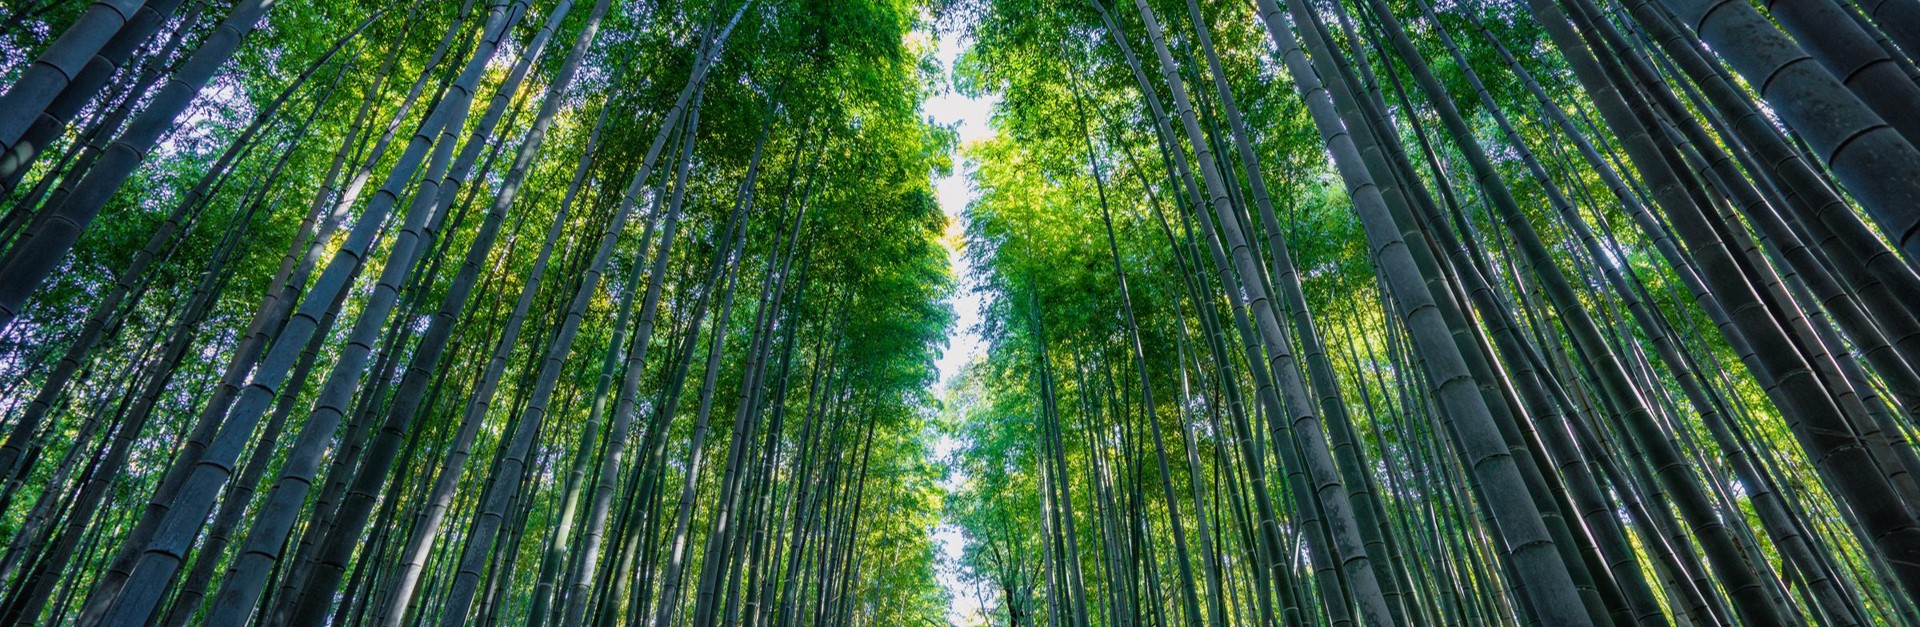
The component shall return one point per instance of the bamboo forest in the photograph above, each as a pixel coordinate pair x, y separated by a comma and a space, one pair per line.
960, 313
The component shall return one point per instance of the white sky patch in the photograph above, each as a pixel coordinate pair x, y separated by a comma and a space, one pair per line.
955, 191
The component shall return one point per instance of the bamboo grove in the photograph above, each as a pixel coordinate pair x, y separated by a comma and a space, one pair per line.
1441, 312
474, 312
1294, 312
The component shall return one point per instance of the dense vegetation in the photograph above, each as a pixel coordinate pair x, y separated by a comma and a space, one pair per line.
660, 304
1381, 312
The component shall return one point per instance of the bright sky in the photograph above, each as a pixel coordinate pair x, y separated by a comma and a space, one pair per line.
955, 191
963, 344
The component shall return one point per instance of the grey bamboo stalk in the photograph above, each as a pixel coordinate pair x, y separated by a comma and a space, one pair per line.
135, 273
39, 255
1863, 412
1250, 450
153, 380
543, 588
17, 153
655, 442
1771, 510
1870, 320
1826, 32
502, 486
51, 72
347, 195
1883, 281
1740, 578
1615, 275
240, 494
248, 574
1811, 413
1873, 421
1286, 280
683, 515
762, 563
264, 324
1900, 19
1305, 426
716, 556
1579, 552
543, 593
1549, 586
196, 495
1874, 161
1189, 590
86, 149
439, 498
575, 605
1268, 557
351, 520
1215, 612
